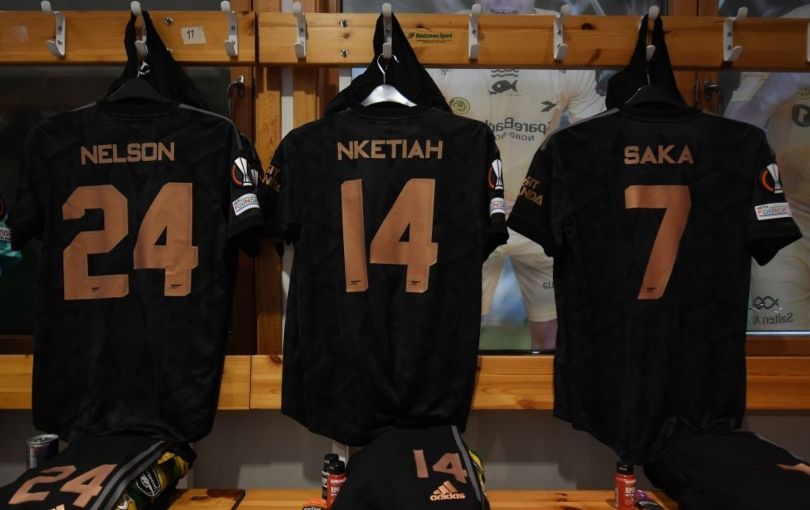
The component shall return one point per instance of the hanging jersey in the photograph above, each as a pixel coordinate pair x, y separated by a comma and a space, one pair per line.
97, 474
135, 206
414, 469
521, 106
391, 211
652, 218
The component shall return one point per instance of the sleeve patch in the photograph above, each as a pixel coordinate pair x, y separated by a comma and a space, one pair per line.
244, 203
497, 206
773, 211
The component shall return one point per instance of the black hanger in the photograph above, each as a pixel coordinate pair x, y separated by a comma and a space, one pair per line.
137, 88
654, 94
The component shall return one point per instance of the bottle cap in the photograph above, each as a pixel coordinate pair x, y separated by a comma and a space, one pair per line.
338, 468
330, 457
624, 468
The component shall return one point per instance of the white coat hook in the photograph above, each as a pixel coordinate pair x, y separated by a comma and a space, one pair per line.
140, 46
232, 44
560, 48
387, 49
301, 33
731, 52
56, 46
472, 29
652, 14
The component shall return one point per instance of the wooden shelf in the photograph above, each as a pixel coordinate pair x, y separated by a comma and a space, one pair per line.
593, 41
96, 37
207, 499
16, 370
290, 499
504, 383
525, 382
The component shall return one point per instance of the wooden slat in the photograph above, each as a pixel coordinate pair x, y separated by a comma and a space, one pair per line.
778, 345
96, 37
265, 383
504, 382
525, 41
206, 499
526, 382
778, 383
16, 370
293, 499
234, 393
514, 382
15, 381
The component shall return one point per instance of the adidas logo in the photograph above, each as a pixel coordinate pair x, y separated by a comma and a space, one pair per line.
446, 491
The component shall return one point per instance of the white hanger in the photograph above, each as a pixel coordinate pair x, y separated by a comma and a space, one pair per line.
386, 93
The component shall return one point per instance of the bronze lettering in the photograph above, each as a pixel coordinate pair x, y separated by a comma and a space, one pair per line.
343, 150
631, 155
663, 154
377, 149
416, 151
686, 156
105, 153
86, 154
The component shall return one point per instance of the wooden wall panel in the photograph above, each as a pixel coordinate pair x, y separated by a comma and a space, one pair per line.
15, 381
16, 371
526, 382
96, 37
594, 41
265, 389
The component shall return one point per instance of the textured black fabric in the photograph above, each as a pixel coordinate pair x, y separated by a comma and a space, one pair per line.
622, 85
159, 67
407, 74
732, 471
642, 361
145, 358
90, 474
397, 471
357, 362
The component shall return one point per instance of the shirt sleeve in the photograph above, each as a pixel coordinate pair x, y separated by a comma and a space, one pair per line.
531, 215
244, 212
770, 224
27, 216
584, 100
277, 195
496, 204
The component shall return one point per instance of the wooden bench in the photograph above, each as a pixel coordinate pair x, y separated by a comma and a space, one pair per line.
281, 499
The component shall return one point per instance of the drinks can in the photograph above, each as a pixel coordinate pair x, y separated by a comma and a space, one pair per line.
328, 460
334, 482
41, 448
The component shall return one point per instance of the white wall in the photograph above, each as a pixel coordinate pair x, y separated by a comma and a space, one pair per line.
521, 449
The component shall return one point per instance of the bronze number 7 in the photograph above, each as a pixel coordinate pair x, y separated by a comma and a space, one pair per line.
676, 202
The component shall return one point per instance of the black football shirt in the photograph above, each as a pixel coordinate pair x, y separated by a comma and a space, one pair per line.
652, 218
135, 206
391, 211
92, 473
413, 469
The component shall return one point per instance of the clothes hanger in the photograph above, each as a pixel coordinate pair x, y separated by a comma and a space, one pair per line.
653, 94
385, 93
137, 88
